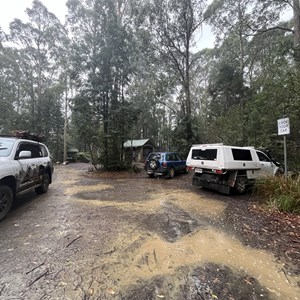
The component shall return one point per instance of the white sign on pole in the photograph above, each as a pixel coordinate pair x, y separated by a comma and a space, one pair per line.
283, 126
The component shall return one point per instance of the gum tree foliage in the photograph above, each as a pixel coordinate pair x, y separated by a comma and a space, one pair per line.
102, 59
173, 26
131, 72
31, 72
234, 23
294, 5
151, 88
253, 79
276, 85
8, 88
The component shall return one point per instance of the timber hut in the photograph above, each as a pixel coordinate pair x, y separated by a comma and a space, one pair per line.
138, 150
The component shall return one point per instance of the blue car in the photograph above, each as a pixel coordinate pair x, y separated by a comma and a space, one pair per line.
164, 164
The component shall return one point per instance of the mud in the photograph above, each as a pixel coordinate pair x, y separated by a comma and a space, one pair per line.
132, 237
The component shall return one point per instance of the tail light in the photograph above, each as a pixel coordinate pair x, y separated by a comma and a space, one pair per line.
218, 171
164, 164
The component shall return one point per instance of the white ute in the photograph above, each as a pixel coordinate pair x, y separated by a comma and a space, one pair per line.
221, 167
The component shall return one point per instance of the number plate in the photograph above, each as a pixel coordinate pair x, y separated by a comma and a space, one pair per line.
198, 170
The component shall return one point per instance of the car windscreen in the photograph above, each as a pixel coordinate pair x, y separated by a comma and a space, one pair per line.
204, 154
6, 146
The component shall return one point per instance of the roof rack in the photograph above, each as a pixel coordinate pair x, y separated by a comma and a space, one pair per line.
26, 135
208, 145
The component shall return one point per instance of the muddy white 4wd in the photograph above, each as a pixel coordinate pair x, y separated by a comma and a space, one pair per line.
221, 167
24, 165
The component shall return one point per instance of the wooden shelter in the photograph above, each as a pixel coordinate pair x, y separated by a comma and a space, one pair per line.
138, 150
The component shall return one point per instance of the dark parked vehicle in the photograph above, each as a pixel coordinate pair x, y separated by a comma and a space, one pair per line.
164, 164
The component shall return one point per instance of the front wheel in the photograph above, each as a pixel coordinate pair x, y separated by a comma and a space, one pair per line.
240, 185
44, 187
6, 200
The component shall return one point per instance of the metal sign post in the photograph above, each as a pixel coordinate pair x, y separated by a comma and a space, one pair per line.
284, 129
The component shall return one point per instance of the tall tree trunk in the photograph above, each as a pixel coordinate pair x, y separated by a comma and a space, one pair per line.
296, 10
189, 132
241, 42
105, 128
65, 125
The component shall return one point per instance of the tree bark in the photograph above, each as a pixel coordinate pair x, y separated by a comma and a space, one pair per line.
296, 11
65, 125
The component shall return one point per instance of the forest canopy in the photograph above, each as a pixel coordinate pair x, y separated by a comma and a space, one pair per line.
119, 70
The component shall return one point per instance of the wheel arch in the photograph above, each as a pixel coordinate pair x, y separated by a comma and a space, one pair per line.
241, 173
11, 182
48, 170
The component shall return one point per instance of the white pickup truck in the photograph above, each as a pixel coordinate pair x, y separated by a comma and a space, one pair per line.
24, 165
221, 167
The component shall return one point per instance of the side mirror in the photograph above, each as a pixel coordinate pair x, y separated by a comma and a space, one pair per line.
24, 154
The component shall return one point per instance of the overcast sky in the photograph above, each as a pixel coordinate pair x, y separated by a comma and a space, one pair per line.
11, 9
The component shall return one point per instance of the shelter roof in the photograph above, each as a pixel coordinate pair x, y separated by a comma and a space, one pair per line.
137, 143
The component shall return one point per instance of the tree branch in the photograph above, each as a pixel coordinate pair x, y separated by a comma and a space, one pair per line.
262, 31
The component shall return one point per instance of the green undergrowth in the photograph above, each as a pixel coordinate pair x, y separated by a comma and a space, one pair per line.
280, 193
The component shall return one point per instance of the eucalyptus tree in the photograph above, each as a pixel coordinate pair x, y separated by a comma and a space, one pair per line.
296, 11
235, 22
102, 63
8, 89
174, 25
10, 97
277, 7
275, 87
38, 52
238, 24
201, 72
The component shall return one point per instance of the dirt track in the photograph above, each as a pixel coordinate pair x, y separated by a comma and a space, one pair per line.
132, 237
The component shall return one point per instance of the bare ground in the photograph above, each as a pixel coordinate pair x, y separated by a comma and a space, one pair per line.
126, 236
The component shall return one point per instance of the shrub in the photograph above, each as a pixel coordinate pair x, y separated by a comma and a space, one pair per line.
280, 193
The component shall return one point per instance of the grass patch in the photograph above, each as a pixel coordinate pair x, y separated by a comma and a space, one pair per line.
280, 193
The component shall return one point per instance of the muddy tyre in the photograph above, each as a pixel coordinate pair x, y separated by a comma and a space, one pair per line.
171, 173
240, 186
151, 175
44, 187
6, 200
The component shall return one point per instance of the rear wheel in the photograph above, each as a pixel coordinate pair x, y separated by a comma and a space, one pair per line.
240, 185
44, 187
171, 173
6, 200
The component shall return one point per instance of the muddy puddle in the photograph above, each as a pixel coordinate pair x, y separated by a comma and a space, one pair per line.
177, 247
136, 238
